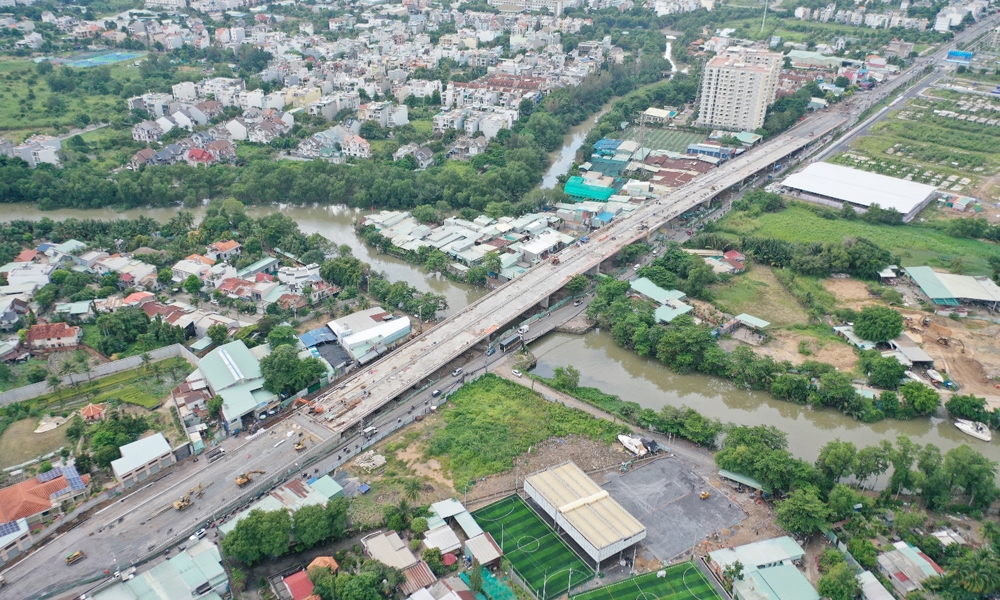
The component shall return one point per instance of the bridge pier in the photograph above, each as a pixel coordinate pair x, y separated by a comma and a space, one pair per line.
545, 302
595, 270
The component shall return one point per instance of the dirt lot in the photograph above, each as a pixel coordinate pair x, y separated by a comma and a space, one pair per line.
19, 443
972, 356
850, 293
784, 345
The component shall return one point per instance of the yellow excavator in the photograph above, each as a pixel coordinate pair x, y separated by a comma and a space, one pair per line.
301, 444
186, 500
243, 479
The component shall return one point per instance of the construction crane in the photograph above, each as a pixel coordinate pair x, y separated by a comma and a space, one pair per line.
301, 444
185, 501
314, 409
244, 478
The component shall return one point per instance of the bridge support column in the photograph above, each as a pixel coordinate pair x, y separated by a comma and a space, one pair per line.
545, 303
595, 270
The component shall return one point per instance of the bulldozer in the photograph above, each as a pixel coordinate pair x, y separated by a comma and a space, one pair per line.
244, 478
705, 495
301, 444
185, 501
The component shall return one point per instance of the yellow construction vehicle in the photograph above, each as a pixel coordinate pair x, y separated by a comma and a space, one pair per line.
704, 495
243, 479
185, 501
301, 444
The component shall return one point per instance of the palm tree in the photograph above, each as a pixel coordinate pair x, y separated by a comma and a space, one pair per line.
146, 359
157, 371
86, 367
411, 488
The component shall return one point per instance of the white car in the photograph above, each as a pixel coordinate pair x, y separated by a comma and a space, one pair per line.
637, 267
516, 372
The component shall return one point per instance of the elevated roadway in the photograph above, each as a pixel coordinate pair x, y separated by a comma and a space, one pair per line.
361, 395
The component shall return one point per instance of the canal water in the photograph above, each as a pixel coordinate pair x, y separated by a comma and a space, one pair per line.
614, 370
336, 223
562, 159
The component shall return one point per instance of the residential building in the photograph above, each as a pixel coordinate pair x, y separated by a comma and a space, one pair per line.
297, 278
737, 87
15, 540
232, 373
906, 566
769, 570
53, 336
44, 497
357, 146
292, 496
389, 549
224, 250
30, 273
142, 459
385, 114
553, 7
39, 149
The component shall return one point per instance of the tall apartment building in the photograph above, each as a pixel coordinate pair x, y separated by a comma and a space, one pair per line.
737, 87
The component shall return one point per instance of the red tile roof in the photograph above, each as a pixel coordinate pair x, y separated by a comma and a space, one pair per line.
324, 562
299, 585
27, 498
92, 411
26, 256
225, 246
48, 331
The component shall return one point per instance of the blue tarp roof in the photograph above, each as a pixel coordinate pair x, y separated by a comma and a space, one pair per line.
606, 216
315, 337
607, 145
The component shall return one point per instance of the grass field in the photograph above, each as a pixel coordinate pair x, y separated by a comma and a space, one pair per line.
19, 443
682, 582
758, 292
141, 386
915, 243
131, 394
666, 139
539, 556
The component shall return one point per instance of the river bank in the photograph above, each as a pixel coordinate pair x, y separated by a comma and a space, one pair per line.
614, 370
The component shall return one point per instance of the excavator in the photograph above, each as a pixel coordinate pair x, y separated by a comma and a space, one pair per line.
314, 409
244, 478
301, 444
186, 500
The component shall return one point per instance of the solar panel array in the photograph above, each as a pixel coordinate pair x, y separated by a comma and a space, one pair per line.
8, 528
73, 478
50, 475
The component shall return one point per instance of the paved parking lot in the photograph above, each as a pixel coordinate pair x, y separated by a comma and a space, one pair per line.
663, 495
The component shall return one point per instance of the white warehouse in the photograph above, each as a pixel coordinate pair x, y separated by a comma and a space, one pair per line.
585, 511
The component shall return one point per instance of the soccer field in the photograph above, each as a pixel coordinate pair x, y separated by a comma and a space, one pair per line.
666, 139
540, 557
682, 582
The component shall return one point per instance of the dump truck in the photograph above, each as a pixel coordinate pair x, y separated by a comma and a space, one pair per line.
244, 478
75, 557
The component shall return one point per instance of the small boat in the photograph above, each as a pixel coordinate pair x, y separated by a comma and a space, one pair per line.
974, 428
935, 376
633, 445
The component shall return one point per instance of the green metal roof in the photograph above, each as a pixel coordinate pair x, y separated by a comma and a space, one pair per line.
752, 321
669, 312
576, 187
229, 365
243, 399
929, 284
744, 479
328, 487
652, 291
786, 582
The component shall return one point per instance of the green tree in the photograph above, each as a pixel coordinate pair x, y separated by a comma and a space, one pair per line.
432, 556
840, 583
193, 285
967, 407
802, 512
974, 474
476, 576
842, 501
577, 284
83, 462
878, 324
491, 260
217, 332
732, 573
872, 461
282, 335
336, 511
436, 261
425, 213
285, 373
922, 399
837, 459
259, 536
476, 275
215, 407
310, 525
238, 580
418, 525
45, 467
566, 378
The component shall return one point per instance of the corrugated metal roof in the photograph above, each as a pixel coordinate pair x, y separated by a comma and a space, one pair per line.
744, 479
140, 452
860, 187
752, 321
585, 505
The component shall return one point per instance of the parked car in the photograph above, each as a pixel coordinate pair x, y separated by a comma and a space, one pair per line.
516, 372
578, 303
456, 372
436, 393
491, 351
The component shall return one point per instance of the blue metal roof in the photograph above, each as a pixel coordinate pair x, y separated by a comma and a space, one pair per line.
315, 337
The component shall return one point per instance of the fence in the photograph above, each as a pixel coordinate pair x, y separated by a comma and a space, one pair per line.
103, 370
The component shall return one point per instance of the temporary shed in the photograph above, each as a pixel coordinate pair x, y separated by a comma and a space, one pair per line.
484, 549
861, 188
585, 511
948, 289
